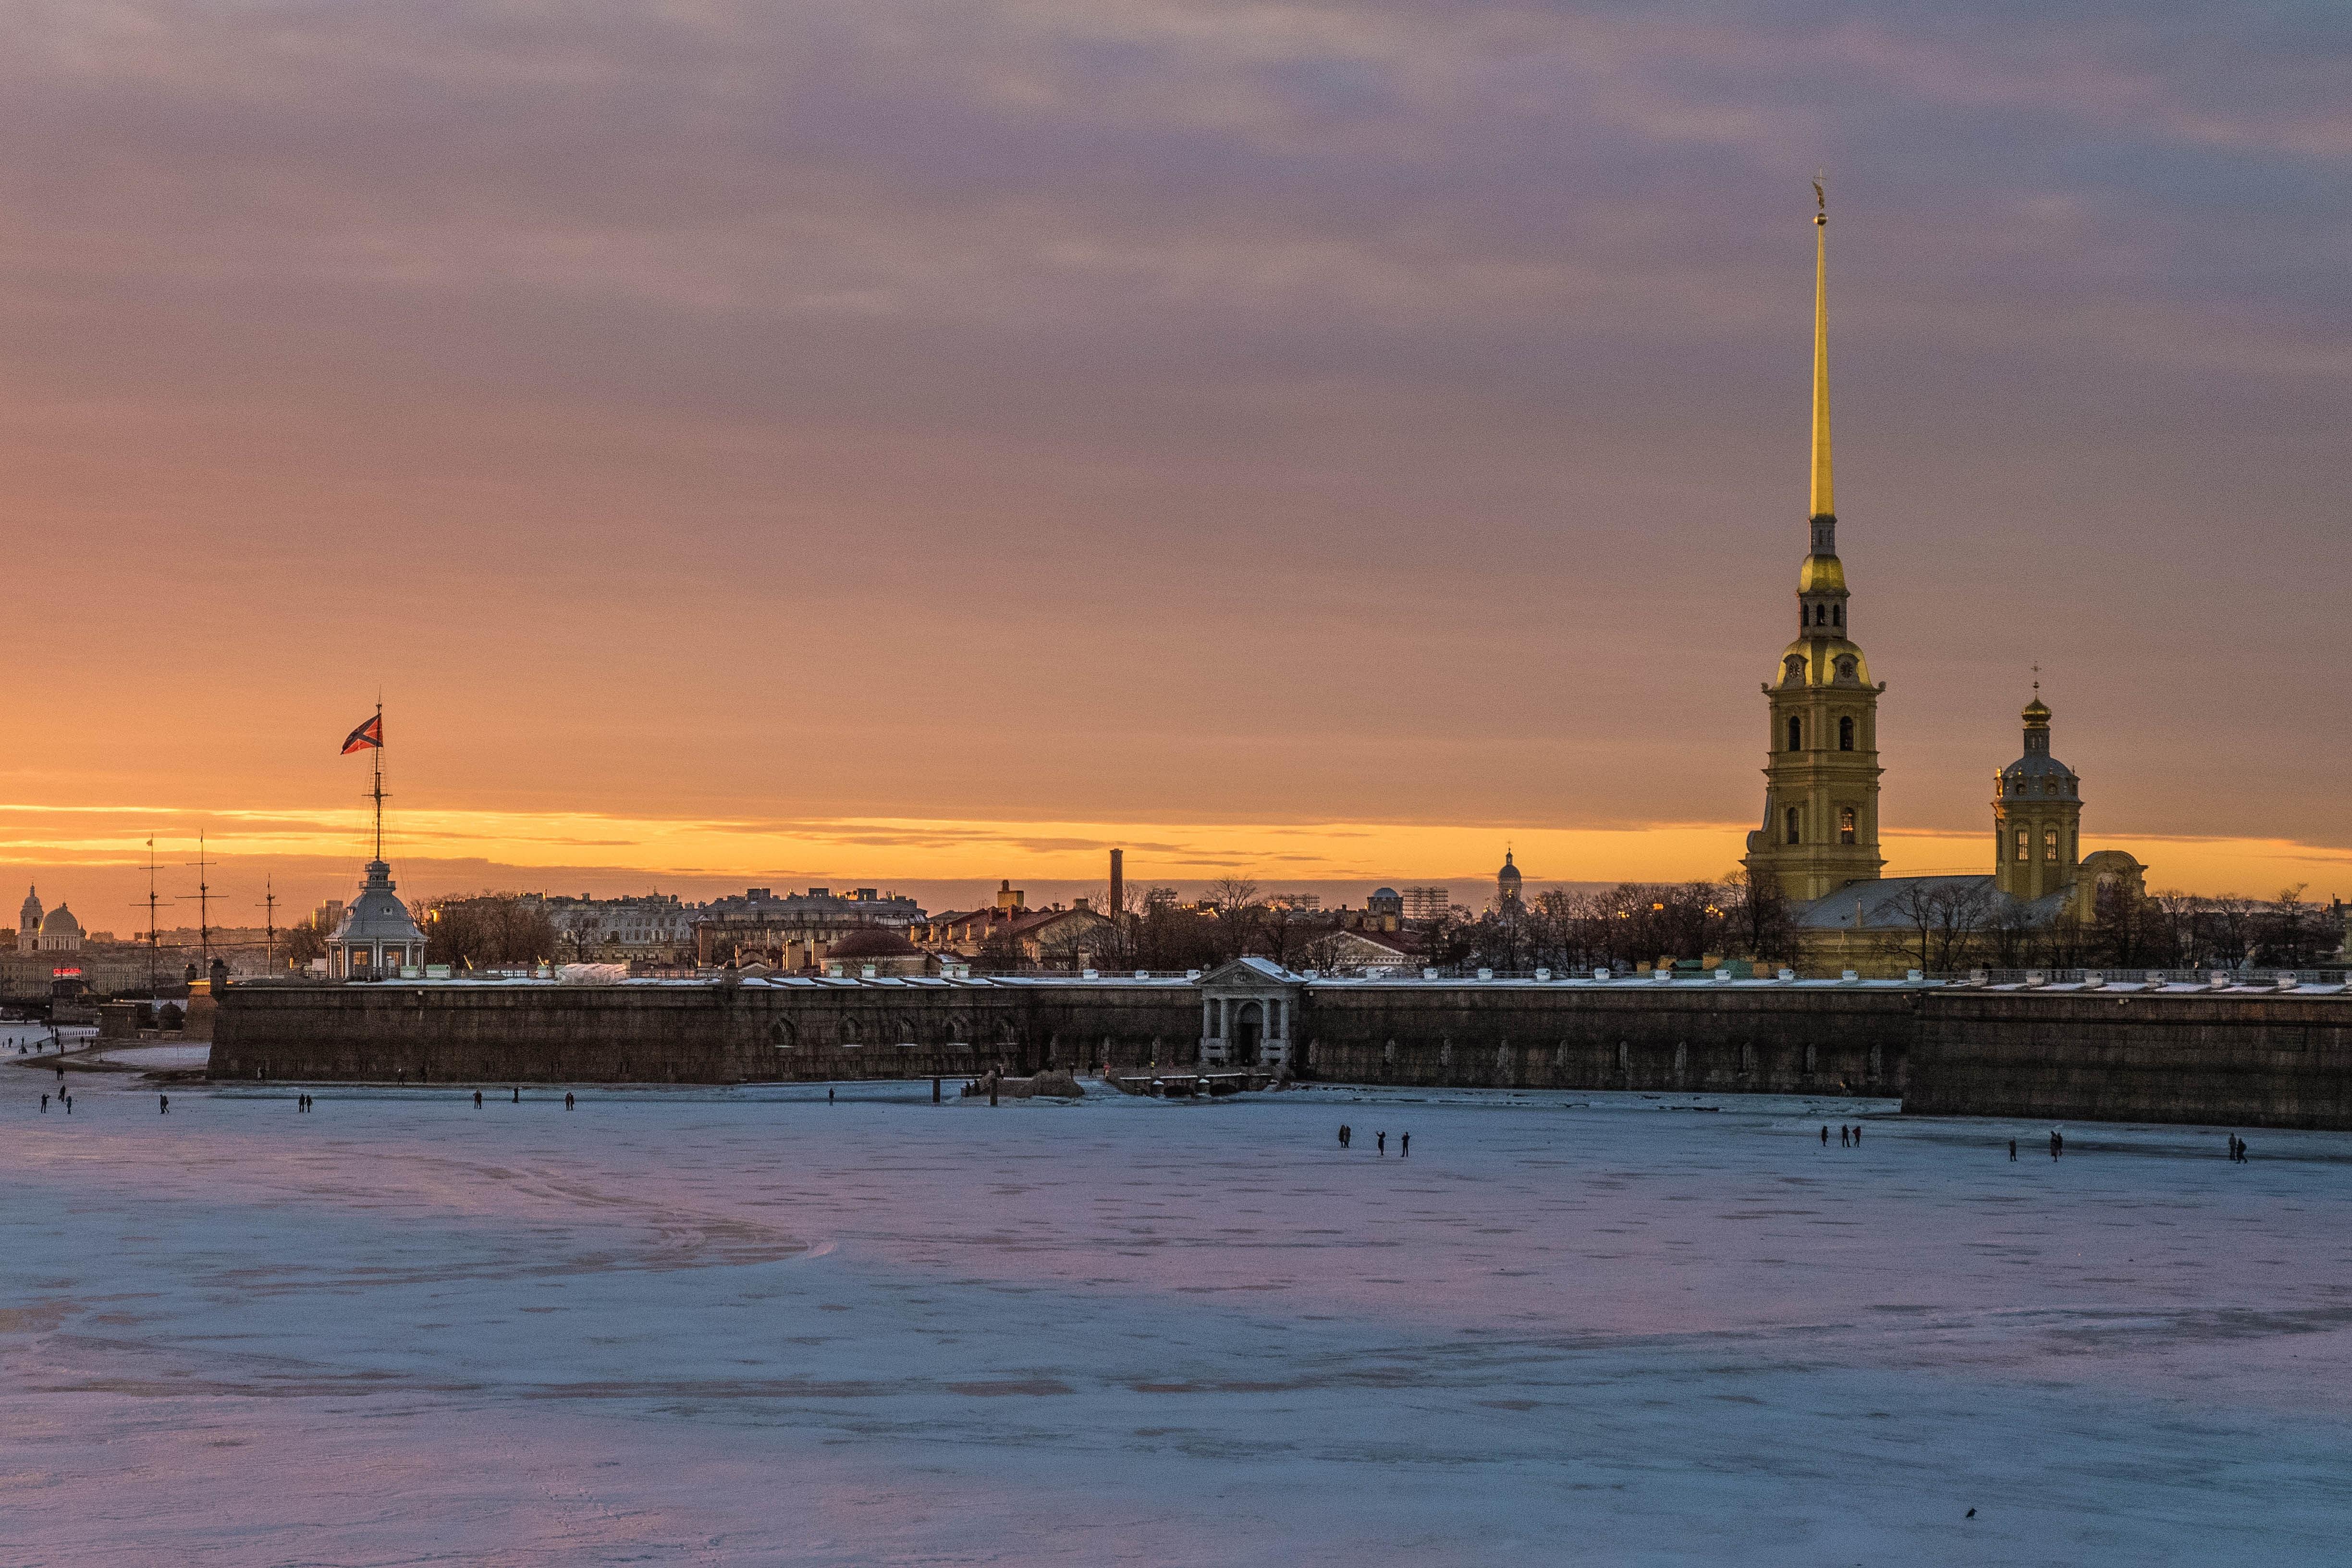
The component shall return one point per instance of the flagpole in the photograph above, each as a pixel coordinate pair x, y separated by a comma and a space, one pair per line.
375, 755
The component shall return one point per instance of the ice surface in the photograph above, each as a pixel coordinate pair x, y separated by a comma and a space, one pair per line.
721, 1326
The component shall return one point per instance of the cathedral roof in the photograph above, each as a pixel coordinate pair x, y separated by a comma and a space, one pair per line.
60, 921
1890, 902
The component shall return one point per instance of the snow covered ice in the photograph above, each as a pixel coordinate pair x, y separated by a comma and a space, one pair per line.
717, 1326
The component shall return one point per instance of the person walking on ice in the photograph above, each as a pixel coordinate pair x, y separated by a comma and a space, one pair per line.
1383, 1140
163, 1109
1405, 1149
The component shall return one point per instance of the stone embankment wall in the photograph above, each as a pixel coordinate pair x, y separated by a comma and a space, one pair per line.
2224, 1059
2247, 1061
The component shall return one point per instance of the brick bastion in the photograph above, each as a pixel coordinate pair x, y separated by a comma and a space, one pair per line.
2225, 1054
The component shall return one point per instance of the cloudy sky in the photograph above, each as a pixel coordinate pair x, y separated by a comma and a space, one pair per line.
899, 442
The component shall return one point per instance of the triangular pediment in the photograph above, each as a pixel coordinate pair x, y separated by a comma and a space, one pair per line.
1250, 972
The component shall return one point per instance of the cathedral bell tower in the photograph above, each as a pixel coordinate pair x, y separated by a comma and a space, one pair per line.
1821, 794
2037, 816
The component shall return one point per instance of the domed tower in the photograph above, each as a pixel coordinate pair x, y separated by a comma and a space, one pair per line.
28, 920
1821, 794
1506, 884
2037, 815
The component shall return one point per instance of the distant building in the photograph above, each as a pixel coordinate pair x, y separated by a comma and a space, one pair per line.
1361, 951
1384, 911
654, 927
1427, 903
797, 931
874, 953
1506, 885
60, 931
1010, 931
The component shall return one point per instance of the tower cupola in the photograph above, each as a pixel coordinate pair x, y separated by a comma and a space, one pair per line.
2037, 814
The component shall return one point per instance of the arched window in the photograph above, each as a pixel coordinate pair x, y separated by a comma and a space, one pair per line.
2050, 844
1796, 736
1793, 825
1821, 614
2025, 845
1846, 733
1837, 615
1845, 824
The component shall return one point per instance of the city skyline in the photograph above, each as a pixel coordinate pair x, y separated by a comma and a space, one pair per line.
1326, 452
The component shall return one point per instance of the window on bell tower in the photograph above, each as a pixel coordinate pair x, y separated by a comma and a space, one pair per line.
1793, 825
1846, 733
1845, 824
2050, 844
1795, 735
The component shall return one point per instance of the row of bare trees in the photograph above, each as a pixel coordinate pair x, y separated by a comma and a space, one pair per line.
487, 931
1633, 922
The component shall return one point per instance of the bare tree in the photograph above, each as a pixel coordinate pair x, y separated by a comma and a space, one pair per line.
1241, 914
304, 943
1942, 921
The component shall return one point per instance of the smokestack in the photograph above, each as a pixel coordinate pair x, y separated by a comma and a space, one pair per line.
1118, 883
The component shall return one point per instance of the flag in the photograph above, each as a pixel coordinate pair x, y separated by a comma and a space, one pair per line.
368, 734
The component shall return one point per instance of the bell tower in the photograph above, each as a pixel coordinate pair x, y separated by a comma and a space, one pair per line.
1821, 791
2037, 815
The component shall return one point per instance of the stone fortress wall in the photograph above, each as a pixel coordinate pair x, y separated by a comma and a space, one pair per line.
2234, 1056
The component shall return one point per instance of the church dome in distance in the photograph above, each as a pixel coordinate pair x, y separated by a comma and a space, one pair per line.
2036, 712
60, 921
871, 943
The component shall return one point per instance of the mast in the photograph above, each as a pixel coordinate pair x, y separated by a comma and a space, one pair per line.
203, 906
151, 916
270, 922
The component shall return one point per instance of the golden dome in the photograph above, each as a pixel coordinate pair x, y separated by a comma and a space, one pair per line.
1822, 574
2037, 714
1818, 661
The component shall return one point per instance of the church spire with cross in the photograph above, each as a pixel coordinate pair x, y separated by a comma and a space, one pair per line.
1820, 810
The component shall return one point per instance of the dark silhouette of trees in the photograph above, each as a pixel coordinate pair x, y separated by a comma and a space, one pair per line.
487, 929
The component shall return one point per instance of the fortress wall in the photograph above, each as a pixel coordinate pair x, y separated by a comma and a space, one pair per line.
1719, 1039
2249, 1061
687, 1034
2245, 1060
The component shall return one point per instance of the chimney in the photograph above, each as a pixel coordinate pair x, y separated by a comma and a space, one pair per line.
1117, 882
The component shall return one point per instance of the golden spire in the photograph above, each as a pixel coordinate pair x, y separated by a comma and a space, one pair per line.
1824, 502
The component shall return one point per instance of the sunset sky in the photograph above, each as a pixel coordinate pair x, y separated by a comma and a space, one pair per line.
915, 443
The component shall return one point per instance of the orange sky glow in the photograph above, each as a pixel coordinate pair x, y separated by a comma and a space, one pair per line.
776, 445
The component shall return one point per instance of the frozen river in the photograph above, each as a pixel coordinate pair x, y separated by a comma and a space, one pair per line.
696, 1325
